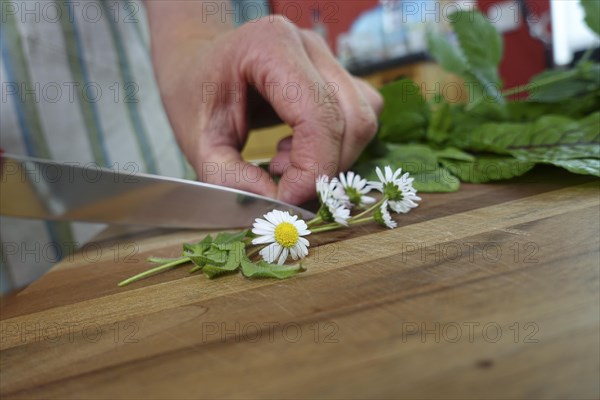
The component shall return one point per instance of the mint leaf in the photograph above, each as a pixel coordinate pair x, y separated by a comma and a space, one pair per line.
487, 168
263, 269
196, 251
476, 57
219, 259
584, 166
592, 14
453, 153
213, 271
449, 56
223, 238
215, 256
197, 248
405, 114
417, 159
578, 107
235, 254
440, 122
562, 85
481, 44
412, 158
439, 180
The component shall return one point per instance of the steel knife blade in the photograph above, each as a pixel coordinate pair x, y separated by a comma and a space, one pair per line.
48, 190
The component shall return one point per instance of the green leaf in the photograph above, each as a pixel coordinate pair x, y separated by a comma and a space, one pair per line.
412, 158
548, 139
196, 251
219, 259
556, 86
417, 159
197, 248
453, 153
584, 166
235, 255
405, 114
592, 14
481, 43
579, 107
263, 269
450, 57
439, 180
476, 58
440, 123
214, 271
224, 238
487, 168
215, 256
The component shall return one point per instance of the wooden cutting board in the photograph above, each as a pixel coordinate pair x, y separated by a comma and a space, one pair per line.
490, 292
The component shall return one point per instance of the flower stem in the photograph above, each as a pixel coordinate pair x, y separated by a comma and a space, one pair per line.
316, 219
254, 251
360, 221
524, 88
368, 210
325, 228
155, 270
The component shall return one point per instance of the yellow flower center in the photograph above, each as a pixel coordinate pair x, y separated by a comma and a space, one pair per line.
286, 234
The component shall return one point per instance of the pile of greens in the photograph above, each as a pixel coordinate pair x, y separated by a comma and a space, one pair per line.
490, 137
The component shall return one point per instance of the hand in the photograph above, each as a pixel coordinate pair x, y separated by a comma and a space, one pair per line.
207, 87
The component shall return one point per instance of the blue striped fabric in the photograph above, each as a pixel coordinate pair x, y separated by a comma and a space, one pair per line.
86, 47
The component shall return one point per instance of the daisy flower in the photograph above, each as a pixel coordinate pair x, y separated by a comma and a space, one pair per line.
334, 200
356, 188
327, 189
284, 233
397, 188
336, 210
383, 217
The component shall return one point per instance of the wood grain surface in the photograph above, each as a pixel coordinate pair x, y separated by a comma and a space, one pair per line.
490, 292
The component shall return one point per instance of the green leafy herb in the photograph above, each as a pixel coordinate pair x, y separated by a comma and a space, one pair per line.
263, 269
405, 115
489, 138
592, 14
487, 168
218, 256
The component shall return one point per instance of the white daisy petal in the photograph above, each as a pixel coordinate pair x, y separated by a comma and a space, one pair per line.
301, 250
271, 252
283, 256
367, 200
388, 173
398, 188
261, 232
379, 174
294, 252
262, 224
284, 233
263, 239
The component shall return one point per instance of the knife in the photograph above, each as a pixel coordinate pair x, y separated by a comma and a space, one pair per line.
48, 190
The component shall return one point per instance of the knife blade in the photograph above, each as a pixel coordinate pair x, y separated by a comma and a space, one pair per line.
48, 190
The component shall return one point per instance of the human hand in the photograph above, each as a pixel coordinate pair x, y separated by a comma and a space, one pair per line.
208, 88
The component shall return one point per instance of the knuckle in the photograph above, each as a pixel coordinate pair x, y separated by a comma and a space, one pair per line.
330, 120
377, 102
314, 37
330, 113
364, 125
278, 24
